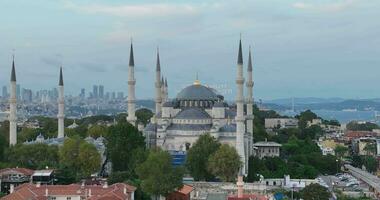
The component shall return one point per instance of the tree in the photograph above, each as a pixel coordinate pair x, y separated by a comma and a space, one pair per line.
34, 156
340, 151
355, 126
157, 175
304, 117
80, 157
315, 191
225, 163
122, 139
370, 148
198, 156
89, 159
370, 163
143, 115
96, 131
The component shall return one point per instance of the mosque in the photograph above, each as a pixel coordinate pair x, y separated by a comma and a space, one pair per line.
198, 109
177, 123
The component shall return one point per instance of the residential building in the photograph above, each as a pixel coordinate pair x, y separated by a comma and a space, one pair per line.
271, 123
266, 149
12, 177
117, 191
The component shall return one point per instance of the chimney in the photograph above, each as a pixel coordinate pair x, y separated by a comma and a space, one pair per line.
38, 184
240, 185
89, 192
46, 192
105, 184
125, 189
11, 189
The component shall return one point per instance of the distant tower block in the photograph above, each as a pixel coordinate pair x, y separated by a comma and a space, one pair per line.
240, 120
249, 85
13, 108
131, 89
61, 106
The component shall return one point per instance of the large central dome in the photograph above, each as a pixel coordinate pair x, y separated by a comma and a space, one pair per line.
197, 92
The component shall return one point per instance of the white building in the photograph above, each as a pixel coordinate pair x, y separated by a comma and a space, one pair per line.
266, 149
271, 123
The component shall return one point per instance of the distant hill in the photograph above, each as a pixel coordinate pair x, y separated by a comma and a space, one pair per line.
337, 104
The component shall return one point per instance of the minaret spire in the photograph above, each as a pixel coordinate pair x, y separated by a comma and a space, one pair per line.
166, 89
158, 84
61, 106
249, 99
13, 107
131, 88
240, 120
163, 90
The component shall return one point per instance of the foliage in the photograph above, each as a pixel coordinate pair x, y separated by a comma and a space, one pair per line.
157, 175
80, 157
304, 117
315, 191
367, 126
225, 163
96, 131
143, 115
340, 151
198, 156
122, 140
34, 156
369, 162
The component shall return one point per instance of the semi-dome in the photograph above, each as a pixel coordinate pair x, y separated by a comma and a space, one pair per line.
192, 113
197, 92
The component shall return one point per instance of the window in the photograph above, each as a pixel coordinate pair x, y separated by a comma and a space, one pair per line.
68, 198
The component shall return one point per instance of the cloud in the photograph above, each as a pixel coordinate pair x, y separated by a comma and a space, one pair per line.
136, 10
325, 7
55, 60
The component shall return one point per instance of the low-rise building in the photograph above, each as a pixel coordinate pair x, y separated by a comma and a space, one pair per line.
271, 123
116, 191
12, 177
266, 149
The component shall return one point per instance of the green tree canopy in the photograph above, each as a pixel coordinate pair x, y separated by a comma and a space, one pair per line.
143, 115
198, 155
96, 131
367, 126
340, 151
157, 175
34, 156
225, 163
80, 157
315, 191
304, 117
122, 140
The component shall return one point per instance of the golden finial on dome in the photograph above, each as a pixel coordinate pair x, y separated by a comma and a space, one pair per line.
197, 82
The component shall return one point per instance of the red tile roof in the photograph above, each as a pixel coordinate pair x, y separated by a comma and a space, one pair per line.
25, 171
248, 197
186, 189
92, 192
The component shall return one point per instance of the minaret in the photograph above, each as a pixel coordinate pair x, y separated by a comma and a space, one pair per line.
240, 127
249, 100
166, 89
163, 90
61, 106
13, 108
131, 89
158, 84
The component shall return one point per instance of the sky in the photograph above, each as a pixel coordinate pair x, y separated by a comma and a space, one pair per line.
301, 48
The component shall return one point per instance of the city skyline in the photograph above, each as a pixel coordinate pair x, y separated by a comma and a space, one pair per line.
325, 40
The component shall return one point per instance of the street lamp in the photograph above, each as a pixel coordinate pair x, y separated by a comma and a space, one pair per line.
337, 167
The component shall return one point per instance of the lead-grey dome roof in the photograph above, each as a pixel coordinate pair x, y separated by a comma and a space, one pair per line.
192, 113
197, 92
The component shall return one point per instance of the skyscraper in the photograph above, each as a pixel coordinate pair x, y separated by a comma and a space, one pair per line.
5, 92
82, 93
101, 91
95, 92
